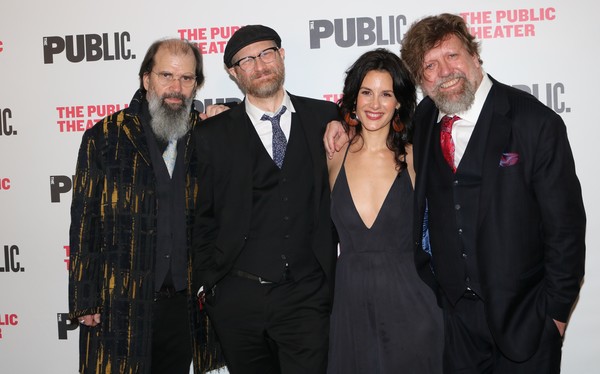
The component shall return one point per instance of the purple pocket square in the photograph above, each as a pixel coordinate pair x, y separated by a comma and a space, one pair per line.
509, 159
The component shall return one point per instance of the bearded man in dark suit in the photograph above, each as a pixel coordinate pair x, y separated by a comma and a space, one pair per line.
263, 250
497, 194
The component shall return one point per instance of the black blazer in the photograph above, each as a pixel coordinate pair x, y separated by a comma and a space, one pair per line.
531, 221
224, 205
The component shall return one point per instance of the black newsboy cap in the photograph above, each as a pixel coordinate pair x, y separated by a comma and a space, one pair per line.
247, 35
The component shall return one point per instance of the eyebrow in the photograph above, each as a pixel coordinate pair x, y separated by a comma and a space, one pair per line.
370, 89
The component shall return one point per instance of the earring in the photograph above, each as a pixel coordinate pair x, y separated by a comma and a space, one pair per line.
351, 119
397, 123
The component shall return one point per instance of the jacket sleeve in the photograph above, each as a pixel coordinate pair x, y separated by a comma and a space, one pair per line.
85, 232
204, 232
559, 196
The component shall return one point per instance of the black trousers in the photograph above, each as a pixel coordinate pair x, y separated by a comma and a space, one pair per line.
171, 335
272, 328
470, 348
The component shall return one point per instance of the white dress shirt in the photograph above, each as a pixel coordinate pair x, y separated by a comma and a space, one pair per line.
463, 128
265, 128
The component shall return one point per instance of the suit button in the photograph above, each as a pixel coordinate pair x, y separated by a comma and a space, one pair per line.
457, 207
286, 218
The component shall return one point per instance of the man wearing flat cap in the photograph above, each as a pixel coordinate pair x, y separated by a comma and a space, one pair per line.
263, 252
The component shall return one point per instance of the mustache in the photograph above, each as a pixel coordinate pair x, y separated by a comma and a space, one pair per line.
441, 81
173, 95
262, 73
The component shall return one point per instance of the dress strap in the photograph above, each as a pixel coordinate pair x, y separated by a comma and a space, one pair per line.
346, 153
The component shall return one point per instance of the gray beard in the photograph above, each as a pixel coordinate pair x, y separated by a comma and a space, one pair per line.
451, 106
168, 123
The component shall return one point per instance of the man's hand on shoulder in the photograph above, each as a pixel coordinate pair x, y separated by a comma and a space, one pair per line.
335, 137
213, 110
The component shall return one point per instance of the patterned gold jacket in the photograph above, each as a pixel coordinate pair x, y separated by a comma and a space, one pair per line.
112, 246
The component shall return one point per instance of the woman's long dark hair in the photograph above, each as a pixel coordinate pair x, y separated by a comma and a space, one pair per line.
405, 92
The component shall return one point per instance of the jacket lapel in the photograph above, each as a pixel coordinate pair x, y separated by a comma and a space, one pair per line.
314, 141
239, 126
195, 121
495, 112
135, 133
423, 149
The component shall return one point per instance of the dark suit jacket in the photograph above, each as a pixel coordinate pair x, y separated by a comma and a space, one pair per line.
224, 205
531, 222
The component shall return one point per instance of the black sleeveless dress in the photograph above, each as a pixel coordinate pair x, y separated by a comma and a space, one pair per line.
385, 319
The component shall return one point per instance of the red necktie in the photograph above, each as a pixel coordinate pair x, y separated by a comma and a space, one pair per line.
446, 139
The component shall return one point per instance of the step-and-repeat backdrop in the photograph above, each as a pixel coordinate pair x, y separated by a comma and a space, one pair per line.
66, 64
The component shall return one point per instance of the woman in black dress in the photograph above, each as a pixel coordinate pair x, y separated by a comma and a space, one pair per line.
384, 319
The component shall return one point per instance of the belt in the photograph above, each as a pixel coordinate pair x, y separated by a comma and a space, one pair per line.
246, 275
470, 295
167, 292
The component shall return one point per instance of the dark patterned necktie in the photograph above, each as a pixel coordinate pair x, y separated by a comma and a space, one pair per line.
279, 140
446, 141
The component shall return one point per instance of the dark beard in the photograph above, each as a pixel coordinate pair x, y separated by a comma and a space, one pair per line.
446, 104
169, 123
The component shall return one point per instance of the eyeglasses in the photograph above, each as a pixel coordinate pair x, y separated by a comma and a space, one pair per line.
249, 62
165, 78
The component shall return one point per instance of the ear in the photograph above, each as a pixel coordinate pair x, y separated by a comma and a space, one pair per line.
282, 53
476, 59
146, 80
233, 73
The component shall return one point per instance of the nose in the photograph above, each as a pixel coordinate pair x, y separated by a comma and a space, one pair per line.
375, 104
176, 85
259, 64
444, 68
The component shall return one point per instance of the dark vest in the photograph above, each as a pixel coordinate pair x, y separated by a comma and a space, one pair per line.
279, 240
171, 245
453, 200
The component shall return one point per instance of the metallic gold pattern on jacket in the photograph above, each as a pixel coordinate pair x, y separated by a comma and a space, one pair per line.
113, 239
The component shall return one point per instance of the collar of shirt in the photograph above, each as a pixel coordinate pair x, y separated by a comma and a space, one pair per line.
264, 128
463, 128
